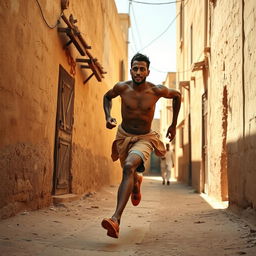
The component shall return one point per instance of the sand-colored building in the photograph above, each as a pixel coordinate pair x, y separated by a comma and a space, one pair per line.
166, 112
53, 138
216, 137
165, 106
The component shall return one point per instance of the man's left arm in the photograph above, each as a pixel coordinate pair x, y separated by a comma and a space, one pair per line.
176, 96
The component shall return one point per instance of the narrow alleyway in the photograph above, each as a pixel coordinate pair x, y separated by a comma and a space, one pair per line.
171, 220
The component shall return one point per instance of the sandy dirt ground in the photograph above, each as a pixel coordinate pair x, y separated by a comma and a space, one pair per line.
170, 220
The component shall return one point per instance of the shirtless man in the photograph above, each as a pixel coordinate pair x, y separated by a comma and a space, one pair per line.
135, 140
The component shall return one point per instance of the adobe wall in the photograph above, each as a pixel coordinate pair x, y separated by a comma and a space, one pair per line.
232, 88
231, 98
190, 50
225, 62
249, 103
225, 85
30, 57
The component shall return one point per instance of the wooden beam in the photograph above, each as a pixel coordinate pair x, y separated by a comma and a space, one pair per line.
185, 84
84, 66
81, 45
198, 66
88, 78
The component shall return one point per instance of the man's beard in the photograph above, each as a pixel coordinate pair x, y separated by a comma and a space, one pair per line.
138, 83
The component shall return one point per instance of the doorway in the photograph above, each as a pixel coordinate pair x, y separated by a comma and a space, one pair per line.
155, 168
63, 134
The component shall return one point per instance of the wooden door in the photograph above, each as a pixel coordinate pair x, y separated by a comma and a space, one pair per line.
63, 137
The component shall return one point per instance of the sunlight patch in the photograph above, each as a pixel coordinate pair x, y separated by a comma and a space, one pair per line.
214, 203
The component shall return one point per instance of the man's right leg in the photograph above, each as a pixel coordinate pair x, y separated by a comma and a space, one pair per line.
168, 175
125, 189
163, 175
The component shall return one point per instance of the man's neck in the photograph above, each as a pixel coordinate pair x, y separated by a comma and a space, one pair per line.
139, 87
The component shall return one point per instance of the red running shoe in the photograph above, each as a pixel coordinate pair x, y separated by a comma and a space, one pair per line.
111, 226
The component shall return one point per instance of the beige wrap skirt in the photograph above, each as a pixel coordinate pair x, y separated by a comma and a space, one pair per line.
126, 143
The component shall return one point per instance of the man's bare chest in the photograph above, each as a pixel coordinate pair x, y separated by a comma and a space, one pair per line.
139, 101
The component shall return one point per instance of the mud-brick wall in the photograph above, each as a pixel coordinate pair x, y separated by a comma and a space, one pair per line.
232, 88
224, 90
31, 53
249, 102
92, 166
191, 50
242, 145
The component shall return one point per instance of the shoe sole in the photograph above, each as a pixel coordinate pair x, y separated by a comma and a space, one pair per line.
109, 227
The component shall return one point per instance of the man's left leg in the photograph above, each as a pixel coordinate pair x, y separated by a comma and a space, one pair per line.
136, 195
128, 181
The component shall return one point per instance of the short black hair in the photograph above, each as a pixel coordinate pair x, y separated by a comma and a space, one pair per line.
140, 57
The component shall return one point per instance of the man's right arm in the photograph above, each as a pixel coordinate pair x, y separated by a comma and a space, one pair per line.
107, 105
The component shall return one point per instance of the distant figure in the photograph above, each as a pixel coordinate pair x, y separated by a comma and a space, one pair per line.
167, 162
135, 140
